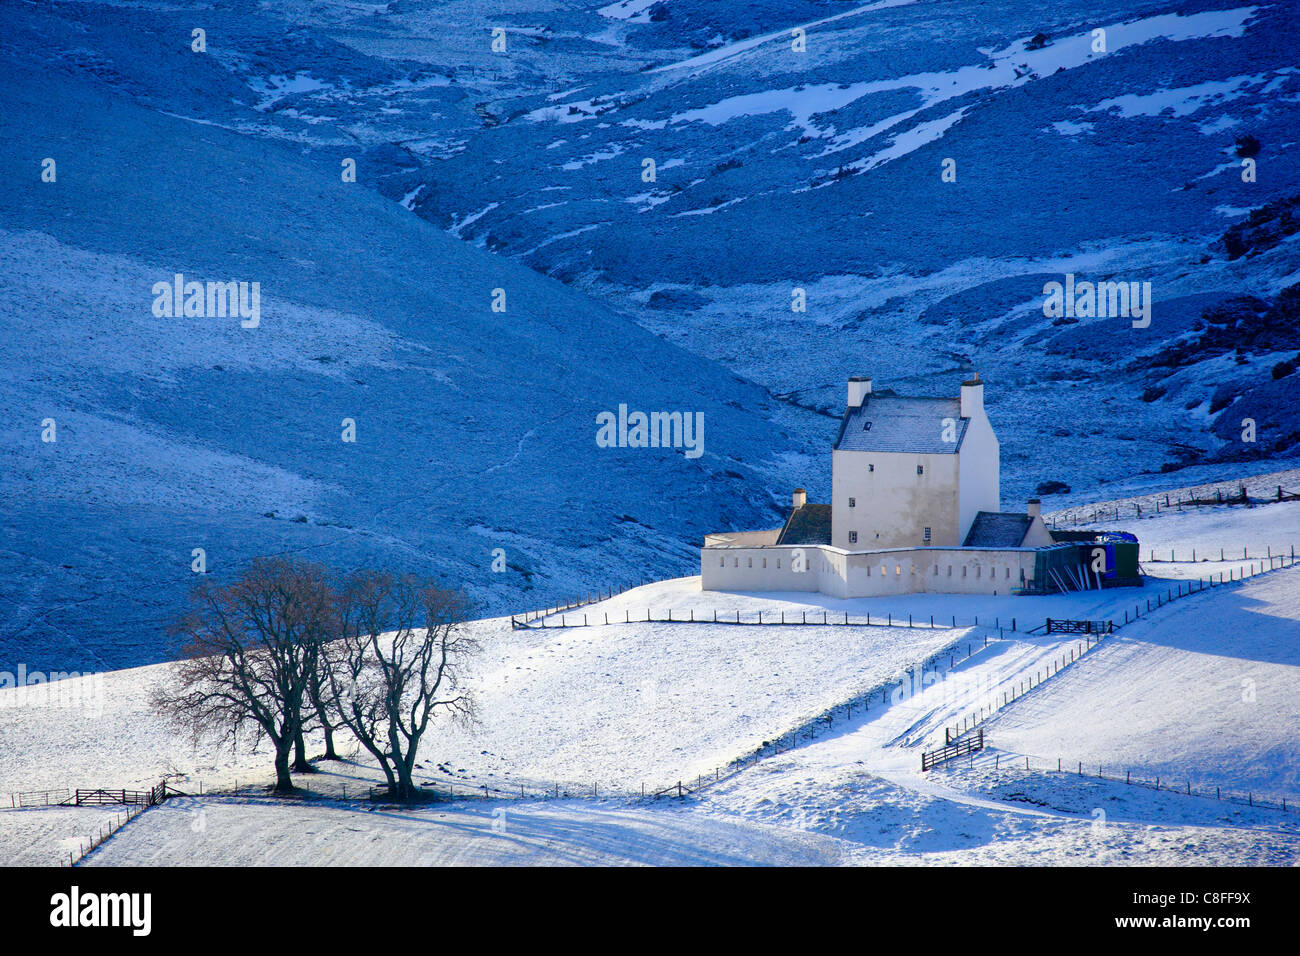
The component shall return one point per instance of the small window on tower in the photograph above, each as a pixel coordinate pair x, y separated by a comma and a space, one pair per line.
920, 469
927, 535
870, 467
853, 537
853, 502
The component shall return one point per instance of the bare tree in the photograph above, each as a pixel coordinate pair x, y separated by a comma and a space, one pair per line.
398, 661
322, 716
251, 648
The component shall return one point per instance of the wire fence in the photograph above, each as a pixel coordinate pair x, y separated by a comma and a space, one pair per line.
907, 685
1195, 557
1006, 762
39, 798
1262, 563
802, 618
1008, 694
1180, 589
105, 833
585, 600
1157, 505
1092, 633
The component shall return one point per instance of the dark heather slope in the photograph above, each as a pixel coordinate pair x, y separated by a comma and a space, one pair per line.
475, 430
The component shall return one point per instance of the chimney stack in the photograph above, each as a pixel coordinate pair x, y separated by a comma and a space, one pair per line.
859, 389
972, 397
1035, 508
800, 498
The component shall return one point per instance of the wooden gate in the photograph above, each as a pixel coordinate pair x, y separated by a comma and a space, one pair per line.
970, 745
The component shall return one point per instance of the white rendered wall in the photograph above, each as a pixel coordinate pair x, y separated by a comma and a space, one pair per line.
1038, 535
979, 478
866, 574
894, 505
771, 569
743, 538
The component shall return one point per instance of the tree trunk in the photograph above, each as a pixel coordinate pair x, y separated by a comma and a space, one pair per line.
406, 789
283, 782
405, 785
392, 780
406, 767
300, 764
317, 695
330, 753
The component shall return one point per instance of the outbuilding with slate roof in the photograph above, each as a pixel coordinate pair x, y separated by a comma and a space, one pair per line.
807, 524
994, 529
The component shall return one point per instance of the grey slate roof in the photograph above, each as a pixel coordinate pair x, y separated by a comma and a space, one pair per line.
810, 524
995, 529
901, 424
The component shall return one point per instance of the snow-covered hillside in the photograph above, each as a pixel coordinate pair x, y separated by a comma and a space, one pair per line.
618, 707
1201, 691
796, 146
1102, 139
474, 428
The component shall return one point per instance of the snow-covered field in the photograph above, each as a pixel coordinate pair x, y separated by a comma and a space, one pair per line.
522, 833
922, 821
860, 820
1202, 690
44, 836
1205, 691
625, 705
617, 706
